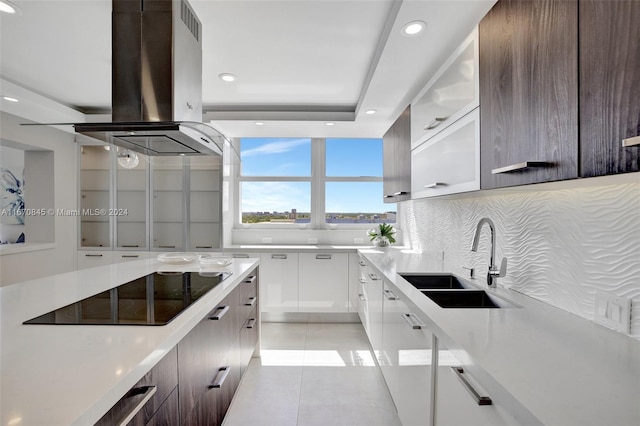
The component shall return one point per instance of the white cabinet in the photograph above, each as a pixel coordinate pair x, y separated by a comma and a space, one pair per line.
363, 308
128, 256
460, 400
89, 259
449, 95
407, 354
279, 282
323, 282
354, 272
449, 162
95, 196
373, 295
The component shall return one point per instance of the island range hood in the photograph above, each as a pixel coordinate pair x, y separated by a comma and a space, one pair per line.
156, 81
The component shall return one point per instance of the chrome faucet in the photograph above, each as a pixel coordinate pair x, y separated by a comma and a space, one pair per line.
494, 273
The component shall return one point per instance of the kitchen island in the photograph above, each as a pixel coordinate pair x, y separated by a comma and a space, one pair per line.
541, 364
73, 374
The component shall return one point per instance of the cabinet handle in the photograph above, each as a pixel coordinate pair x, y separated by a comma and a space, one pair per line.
362, 280
634, 141
221, 311
148, 392
204, 247
251, 301
400, 193
374, 277
389, 196
362, 263
390, 295
132, 256
413, 321
480, 400
221, 376
249, 280
251, 323
323, 256
279, 256
130, 245
435, 184
361, 297
167, 246
240, 256
435, 123
93, 255
520, 166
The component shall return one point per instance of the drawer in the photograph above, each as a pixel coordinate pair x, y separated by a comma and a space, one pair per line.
90, 259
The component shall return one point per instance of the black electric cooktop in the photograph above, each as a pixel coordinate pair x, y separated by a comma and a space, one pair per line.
154, 299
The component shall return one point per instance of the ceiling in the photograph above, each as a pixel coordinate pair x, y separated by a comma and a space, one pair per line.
299, 63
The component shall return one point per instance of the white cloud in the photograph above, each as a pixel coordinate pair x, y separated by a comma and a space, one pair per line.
275, 196
277, 147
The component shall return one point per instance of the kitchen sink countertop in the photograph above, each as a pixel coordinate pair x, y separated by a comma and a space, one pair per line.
560, 368
73, 374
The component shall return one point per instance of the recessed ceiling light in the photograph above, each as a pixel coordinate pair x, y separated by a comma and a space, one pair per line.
259, 123
227, 77
329, 123
413, 28
7, 7
9, 98
371, 111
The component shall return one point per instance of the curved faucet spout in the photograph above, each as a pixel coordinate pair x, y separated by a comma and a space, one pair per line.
494, 272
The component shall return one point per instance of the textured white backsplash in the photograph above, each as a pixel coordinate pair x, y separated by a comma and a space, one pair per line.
562, 245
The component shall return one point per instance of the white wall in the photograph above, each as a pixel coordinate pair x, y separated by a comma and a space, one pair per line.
16, 267
564, 241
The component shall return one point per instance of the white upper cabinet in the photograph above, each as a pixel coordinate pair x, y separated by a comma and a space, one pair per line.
449, 95
450, 161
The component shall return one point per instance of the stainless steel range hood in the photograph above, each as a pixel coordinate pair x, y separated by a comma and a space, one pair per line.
156, 81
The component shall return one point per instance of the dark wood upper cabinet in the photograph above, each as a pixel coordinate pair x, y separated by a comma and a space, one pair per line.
528, 92
609, 86
396, 152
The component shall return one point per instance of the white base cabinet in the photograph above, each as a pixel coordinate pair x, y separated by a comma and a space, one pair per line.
90, 259
279, 282
323, 282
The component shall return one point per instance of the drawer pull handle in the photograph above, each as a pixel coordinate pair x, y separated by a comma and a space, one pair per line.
279, 256
435, 184
204, 247
413, 321
323, 256
361, 296
362, 263
167, 246
435, 123
520, 167
374, 277
221, 376
132, 256
362, 280
148, 392
249, 280
130, 245
240, 256
221, 311
390, 295
251, 301
251, 323
93, 255
480, 400
400, 193
634, 141
389, 196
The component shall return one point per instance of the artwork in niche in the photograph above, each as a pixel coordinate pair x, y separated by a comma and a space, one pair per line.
11, 195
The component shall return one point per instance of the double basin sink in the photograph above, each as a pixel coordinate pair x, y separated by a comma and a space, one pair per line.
449, 292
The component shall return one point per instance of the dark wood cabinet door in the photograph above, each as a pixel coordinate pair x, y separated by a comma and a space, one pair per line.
167, 414
609, 86
528, 91
396, 152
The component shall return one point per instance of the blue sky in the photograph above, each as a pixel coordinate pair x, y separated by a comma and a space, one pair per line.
292, 157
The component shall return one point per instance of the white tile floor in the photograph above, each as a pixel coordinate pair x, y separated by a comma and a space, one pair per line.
313, 374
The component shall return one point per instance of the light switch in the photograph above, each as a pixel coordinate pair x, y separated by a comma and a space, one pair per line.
612, 311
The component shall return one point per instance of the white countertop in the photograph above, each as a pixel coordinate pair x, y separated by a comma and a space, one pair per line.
564, 369
73, 374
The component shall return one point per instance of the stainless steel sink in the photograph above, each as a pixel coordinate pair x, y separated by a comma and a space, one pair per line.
433, 281
465, 299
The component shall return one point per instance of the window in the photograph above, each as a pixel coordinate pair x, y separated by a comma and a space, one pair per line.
316, 182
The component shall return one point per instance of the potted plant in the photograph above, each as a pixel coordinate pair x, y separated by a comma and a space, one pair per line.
382, 236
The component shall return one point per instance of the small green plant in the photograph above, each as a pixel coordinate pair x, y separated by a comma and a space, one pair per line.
384, 230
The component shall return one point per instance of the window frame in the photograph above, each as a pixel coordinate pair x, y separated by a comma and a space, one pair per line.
318, 181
